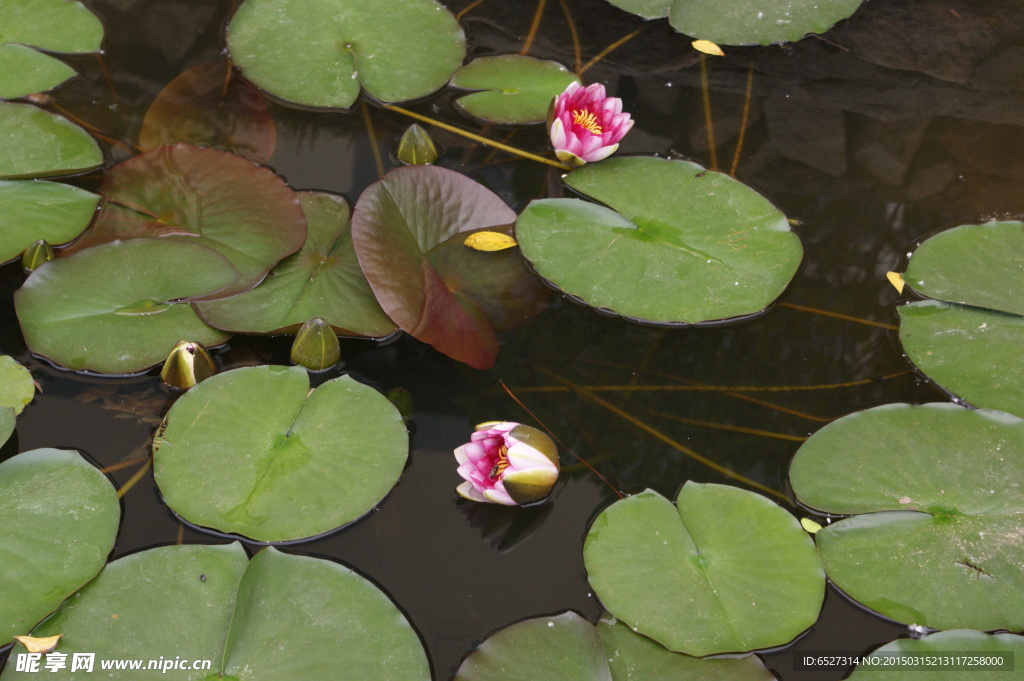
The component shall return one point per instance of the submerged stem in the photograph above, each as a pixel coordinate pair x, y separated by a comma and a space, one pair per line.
654, 432
475, 137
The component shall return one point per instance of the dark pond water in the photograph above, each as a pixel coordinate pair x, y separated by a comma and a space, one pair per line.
900, 122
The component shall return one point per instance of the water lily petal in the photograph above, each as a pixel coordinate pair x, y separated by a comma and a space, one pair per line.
467, 491
602, 153
498, 495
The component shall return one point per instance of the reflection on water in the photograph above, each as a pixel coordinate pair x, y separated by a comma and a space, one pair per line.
903, 121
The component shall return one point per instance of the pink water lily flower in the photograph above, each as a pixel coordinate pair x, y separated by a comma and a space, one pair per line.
585, 125
507, 463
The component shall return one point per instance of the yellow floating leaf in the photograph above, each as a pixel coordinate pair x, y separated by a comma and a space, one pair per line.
896, 279
809, 525
490, 241
38, 645
707, 47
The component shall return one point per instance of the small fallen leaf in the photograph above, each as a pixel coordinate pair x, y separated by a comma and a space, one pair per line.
809, 525
707, 47
38, 645
896, 279
490, 241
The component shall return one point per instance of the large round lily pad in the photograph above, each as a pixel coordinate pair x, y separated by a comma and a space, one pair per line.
58, 521
567, 647
254, 452
977, 265
53, 25
16, 386
515, 89
564, 647
408, 230
725, 570
37, 143
322, 280
940, 541
41, 210
210, 106
184, 193
7, 422
971, 352
277, 616
958, 655
677, 243
745, 22
113, 309
319, 52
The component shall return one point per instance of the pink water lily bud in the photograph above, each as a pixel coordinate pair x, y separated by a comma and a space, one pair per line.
507, 463
585, 125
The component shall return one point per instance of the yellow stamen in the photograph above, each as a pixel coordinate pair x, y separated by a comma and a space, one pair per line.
502, 464
586, 120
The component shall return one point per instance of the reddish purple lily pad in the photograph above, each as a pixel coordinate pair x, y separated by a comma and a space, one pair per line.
408, 230
180, 192
212, 106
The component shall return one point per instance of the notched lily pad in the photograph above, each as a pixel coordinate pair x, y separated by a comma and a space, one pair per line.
58, 521
676, 243
948, 644
970, 352
568, 648
722, 571
939, 541
254, 452
56, 213
515, 89
210, 106
52, 25
41, 144
320, 52
115, 308
409, 230
322, 280
978, 265
276, 616
16, 386
202, 196
748, 22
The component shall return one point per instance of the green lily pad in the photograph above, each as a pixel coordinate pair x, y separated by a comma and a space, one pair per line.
516, 89
648, 9
41, 210
210, 106
276, 616
564, 647
408, 230
975, 265
7, 422
727, 571
971, 352
319, 52
322, 280
633, 657
939, 543
53, 25
58, 521
113, 309
254, 452
567, 647
16, 386
940, 647
183, 193
41, 144
687, 245
747, 22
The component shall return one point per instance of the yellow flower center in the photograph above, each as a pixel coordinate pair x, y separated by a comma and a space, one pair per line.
502, 464
586, 120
